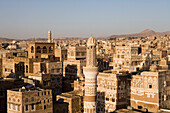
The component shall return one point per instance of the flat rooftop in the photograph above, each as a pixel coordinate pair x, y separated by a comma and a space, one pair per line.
27, 88
135, 111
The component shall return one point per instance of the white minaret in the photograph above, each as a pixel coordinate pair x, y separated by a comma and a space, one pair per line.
90, 72
49, 36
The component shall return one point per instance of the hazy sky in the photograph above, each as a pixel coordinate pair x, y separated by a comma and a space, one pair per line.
81, 18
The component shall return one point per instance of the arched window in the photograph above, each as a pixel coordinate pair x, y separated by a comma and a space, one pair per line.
32, 99
123, 52
72, 53
26, 100
134, 83
50, 49
127, 63
38, 49
32, 49
26, 68
44, 49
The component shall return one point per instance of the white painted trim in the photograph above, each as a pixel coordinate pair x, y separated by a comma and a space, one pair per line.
144, 102
165, 110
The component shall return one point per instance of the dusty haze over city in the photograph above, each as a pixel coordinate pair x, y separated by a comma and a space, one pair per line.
84, 56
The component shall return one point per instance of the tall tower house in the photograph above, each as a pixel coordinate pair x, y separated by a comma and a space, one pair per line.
90, 72
49, 36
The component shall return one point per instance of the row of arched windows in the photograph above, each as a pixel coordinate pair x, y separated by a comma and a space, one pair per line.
44, 49
91, 47
122, 52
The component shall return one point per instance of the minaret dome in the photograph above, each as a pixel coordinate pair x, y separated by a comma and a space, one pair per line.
91, 41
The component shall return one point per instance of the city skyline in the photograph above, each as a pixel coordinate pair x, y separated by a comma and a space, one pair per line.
29, 19
84, 56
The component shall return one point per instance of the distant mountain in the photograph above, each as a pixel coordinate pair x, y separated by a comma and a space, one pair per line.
70, 38
36, 39
5, 39
164, 33
147, 32
57, 38
144, 33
